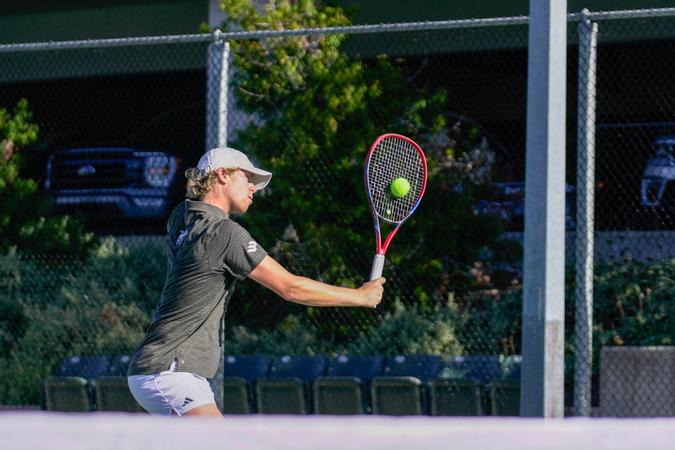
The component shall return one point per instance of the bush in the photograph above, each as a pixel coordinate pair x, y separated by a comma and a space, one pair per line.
70, 307
103, 305
407, 331
404, 330
636, 303
23, 207
632, 305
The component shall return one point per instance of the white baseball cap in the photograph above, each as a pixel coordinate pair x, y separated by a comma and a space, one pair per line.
230, 158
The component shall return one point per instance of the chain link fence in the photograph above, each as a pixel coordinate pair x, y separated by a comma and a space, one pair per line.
624, 239
120, 121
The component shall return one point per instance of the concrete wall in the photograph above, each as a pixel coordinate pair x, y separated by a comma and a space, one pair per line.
622, 245
637, 381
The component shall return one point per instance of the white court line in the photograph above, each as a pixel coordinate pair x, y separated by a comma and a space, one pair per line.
55, 431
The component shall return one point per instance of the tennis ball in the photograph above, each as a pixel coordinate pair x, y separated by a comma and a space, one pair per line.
400, 187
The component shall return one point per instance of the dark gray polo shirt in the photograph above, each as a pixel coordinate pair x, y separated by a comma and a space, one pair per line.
207, 252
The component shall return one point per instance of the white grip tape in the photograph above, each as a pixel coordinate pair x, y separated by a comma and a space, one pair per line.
378, 265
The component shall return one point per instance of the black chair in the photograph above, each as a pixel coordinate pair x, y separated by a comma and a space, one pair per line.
112, 391
286, 391
88, 367
72, 388
401, 389
119, 366
504, 397
455, 397
240, 373
113, 394
505, 392
345, 388
423, 367
511, 367
483, 368
67, 394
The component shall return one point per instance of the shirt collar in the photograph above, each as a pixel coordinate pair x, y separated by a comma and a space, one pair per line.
193, 206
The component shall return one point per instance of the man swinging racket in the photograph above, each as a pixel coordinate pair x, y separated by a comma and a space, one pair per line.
207, 253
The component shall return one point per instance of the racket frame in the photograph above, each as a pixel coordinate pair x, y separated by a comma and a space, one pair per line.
381, 248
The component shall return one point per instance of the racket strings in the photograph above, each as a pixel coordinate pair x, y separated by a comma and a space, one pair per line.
395, 158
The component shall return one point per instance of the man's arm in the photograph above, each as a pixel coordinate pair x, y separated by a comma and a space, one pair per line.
309, 292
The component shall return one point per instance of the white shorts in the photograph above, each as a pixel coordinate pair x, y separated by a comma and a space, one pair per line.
168, 392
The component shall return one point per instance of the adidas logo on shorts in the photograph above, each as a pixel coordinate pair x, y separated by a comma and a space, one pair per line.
187, 401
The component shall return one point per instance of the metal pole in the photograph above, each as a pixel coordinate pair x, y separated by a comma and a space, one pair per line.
216, 92
584, 238
542, 383
216, 136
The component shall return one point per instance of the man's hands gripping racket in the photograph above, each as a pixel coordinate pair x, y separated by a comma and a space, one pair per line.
395, 177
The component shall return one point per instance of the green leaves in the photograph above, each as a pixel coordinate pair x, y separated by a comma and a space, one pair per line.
51, 308
17, 127
634, 303
23, 208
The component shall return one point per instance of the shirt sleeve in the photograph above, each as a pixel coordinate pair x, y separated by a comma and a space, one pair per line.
237, 252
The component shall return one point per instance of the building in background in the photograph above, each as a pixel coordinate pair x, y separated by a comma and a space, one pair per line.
43, 20
152, 98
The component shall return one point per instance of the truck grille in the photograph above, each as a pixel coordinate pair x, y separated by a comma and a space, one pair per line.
85, 170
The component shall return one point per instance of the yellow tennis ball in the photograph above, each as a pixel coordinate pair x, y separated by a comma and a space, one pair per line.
400, 187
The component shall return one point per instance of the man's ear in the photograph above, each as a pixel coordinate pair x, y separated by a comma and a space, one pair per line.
223, 176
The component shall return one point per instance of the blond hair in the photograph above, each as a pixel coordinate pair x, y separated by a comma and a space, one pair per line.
198, 185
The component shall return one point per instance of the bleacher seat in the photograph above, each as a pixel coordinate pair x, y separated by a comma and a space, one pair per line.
88, 367
422, 367
113, 394
345, 388
397, 396
511, 366
67, 394
286, 391
119, 366
240, 373
401, 389
483, 368
248, 367
71, 389
504, 397
455, 397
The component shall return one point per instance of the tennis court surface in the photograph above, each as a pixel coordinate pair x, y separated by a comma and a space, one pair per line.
56, 431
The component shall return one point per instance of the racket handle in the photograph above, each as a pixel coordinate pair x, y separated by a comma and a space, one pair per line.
378, 265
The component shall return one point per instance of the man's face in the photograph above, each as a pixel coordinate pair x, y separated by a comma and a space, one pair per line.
240, 190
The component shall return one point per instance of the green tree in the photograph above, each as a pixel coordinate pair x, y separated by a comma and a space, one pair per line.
22, 206
49, 312
316, 111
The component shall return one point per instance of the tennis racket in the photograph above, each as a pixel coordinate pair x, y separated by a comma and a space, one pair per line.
393, 158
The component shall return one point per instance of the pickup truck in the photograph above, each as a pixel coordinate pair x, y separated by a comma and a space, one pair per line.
507, 203
657, 189
112, 183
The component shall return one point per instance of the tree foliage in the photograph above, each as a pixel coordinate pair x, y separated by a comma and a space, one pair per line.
315, 110
23, 207
53, 308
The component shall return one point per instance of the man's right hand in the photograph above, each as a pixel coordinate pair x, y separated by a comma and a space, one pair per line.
372, 292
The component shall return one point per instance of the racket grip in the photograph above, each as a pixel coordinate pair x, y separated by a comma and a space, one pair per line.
378, 265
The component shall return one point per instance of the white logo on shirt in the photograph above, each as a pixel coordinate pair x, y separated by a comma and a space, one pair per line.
251, 247
181, 237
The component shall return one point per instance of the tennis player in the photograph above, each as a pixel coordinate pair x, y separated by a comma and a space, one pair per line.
207, 253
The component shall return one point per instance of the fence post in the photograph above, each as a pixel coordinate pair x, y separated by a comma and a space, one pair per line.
216, 136
584, 237
543, 339
216, 91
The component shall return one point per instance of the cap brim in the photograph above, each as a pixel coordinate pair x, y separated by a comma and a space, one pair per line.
261, 178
